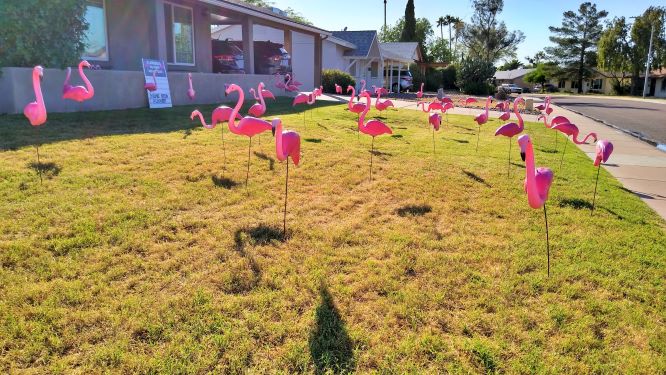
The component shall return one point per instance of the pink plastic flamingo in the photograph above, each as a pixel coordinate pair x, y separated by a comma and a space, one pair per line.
362, 88
445, 108
545, 106
338, 89
287, 144
432, 106
151, 86
512, 129
280, 82
537, 183
446, 99
291, 85
382, 105
305, 98
220, 115
295, 82
372, 128
381, 90
78, 93
506, 108
604, 151
190, 91
419, 94
570, 129
467, 101
35, 111
248, 126
258, 109
481, 119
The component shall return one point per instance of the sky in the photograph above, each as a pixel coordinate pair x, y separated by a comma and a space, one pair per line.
530, 17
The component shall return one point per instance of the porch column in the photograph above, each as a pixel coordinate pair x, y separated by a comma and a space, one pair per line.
288, 41
317, 60
248, 44
391, 77
399, 71
381, 69
160, 49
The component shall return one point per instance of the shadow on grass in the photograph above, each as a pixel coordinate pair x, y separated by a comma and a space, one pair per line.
262, 156
576, 203
643, 195
259, 235
223, 182
48, 170
396, 136
380, 153
331, 347
313, 140
459, 140
518, 165
476, 178
414, 210
548, 150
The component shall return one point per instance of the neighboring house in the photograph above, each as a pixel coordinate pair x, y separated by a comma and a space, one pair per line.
365, 58
516, 76
600, 83
122, 32
656, 83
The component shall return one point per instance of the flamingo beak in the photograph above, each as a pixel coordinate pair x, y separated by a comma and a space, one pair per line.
273, 130
522, 155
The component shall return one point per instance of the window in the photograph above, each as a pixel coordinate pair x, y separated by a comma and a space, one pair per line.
597, 84
574, 84
561, 84
663, 84
95, 36
180, 34
374, 69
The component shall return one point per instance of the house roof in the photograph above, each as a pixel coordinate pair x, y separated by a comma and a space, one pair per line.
512, 74
657, 73
361, 39
401, 51
264, 13
341, 42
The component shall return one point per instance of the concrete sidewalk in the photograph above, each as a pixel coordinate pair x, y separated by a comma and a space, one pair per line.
640, 167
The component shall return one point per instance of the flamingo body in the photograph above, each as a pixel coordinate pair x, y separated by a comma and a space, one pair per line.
482, 118
537, 180
287, 143
372, 128
338, 89
419, 94
247, 126
512, 129
435, 120
190, 91
570, 129
354, 107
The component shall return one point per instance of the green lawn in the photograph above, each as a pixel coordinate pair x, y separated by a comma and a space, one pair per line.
141, 254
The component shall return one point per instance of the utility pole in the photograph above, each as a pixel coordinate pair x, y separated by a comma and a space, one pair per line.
384, 15
647, 64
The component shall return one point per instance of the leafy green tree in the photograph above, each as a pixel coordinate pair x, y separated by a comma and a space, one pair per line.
510, 65
438, 51
535, 60
291, 12
576, 41
486, 37
441, 22
48, 33
473, 76
449, 21
615, 52
409, 28
640, 36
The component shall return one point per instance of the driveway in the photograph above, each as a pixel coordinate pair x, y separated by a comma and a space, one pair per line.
647, 120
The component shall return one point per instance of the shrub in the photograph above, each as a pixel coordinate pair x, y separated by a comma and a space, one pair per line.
473, 75
621, 89
449, 77
329, 77
502, 93
48, 33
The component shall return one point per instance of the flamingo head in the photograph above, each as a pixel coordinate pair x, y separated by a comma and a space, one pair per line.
519, 100
604, 151
227, 89
540, 117
39, 71
194, 114
349, 88
86, 64
274, 124
523, 141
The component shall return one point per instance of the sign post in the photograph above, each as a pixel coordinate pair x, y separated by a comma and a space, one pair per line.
161, 97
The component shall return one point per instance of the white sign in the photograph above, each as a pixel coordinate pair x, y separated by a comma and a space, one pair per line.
161, 97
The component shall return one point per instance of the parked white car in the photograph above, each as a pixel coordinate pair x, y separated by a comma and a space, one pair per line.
515, 89
406, 80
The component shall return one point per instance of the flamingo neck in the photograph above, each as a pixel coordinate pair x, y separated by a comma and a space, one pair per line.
239, 104
89, 86
351, 98
69, 75
279, 150
488, 105
202, 120
576, 141
37, 86
189, 78
261, 97
521, 124
361, 119
530, 177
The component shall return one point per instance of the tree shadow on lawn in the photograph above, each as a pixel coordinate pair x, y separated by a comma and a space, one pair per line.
259, 235
413, 210
15, 132
331, 348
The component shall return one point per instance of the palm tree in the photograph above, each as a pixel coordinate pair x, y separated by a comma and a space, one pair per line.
441, 22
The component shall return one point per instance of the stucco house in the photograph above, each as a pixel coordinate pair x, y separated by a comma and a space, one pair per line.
122, 32
656, 83
515, 76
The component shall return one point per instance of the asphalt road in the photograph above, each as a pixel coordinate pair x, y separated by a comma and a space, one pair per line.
645, 119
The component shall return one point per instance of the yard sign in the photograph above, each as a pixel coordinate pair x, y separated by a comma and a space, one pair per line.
160, 98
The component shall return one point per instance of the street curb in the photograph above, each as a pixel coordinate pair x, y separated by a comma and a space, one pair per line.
638, 135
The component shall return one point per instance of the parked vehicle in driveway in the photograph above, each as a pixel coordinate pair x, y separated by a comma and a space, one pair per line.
271, 58
548, 87
227, 57
406, 80
515, 89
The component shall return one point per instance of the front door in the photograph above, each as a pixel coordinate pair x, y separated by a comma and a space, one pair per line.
653, 85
